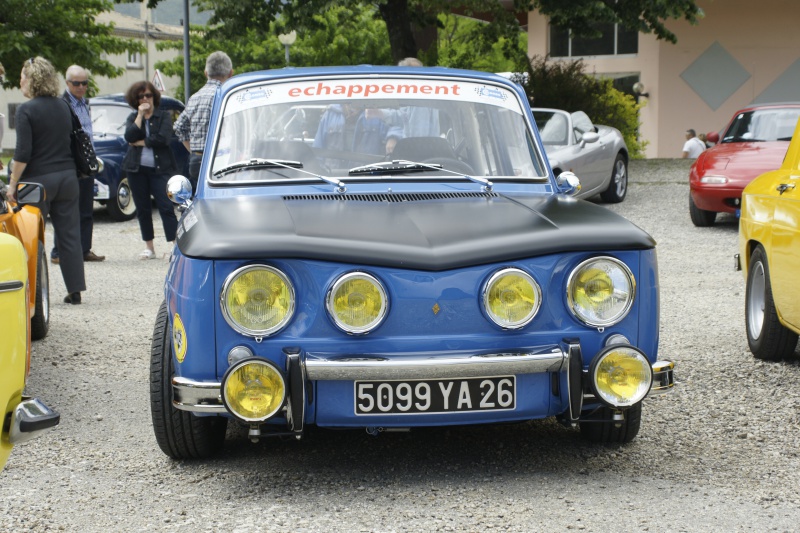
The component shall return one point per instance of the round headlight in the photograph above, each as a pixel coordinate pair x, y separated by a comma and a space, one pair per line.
357, 303
257, 300
600, 291
253, 390
621, 376
511, 298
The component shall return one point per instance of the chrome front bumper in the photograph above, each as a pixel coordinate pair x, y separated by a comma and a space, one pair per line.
30, 419
205, 396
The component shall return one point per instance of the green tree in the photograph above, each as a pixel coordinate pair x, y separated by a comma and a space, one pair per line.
456, 48
63, 31
406, 20
340, 36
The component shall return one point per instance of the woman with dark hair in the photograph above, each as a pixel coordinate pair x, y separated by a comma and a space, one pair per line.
43, 155
149, 162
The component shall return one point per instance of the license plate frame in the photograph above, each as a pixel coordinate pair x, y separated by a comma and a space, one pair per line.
434, 396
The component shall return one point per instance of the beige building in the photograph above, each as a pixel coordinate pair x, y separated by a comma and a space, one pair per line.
740, 53
137, 66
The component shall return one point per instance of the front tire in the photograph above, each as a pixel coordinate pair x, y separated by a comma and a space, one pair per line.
40, 321
121, 206
599, 427
769, 340
179, 434
700, 217
618, 187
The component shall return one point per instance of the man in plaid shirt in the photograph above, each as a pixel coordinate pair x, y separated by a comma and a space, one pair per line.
192, 126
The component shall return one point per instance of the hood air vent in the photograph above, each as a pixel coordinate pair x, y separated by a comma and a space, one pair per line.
388, 197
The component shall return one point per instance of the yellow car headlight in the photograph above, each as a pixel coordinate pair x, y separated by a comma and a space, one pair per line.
621, 376
253, 390
511, 298
600, 291
357, 303
257, 300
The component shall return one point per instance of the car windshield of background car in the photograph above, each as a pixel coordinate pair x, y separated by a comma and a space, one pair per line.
109, 119
331, 126
774, 124
552, 127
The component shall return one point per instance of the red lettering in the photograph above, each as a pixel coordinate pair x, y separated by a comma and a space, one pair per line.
425, 89
294, 92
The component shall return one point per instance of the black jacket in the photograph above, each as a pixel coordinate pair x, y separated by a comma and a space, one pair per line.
158, 140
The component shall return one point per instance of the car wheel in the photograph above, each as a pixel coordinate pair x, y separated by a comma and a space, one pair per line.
121, 206
618, 187
769, 340
700, 217
40, 321
179, 434
598, 425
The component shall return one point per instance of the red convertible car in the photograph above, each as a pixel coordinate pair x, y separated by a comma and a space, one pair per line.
755, 141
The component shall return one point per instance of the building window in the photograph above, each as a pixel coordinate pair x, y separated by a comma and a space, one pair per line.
134, 60
614, 40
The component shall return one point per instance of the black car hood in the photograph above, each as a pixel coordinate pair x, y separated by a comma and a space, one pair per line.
434, 231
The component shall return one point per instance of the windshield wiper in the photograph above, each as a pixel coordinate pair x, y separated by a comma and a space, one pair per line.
257, 163
393, 167
400, 166
277, 163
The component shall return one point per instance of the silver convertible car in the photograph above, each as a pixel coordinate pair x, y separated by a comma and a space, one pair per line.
596, 154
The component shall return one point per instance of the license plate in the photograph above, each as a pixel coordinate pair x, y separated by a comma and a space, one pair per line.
435, 396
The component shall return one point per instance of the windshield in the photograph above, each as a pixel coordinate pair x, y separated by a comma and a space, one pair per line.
109, 119
552, 126
330, 127
773, 124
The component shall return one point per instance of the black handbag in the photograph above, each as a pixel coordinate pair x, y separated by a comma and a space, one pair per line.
82, 149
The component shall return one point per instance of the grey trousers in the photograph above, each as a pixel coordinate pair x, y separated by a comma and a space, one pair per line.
61, 203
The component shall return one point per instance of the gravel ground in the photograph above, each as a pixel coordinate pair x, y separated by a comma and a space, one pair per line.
718, 454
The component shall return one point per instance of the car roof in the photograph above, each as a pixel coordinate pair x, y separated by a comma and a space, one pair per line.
767, 105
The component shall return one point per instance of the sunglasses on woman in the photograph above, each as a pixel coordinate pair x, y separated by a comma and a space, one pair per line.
145, 95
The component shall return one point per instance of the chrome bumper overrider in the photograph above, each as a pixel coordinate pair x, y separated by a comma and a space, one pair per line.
204, 396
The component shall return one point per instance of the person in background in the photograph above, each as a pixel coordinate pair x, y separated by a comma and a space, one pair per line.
693, 146
192, 125
410, 121
77, 84
43, 155
149, 162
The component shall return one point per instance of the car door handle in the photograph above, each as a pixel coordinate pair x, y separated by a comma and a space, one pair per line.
783, 187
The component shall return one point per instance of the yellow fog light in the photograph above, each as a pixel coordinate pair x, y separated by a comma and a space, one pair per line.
621, 376
257, 300
253, 390
511, 298
600, 291
357, 303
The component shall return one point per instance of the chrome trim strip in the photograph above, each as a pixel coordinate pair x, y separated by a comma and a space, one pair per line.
663, 377
416, 367
197, 396
10, 286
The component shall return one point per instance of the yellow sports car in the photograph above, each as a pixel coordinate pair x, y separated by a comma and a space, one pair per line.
23, 417
769, 253
25, 222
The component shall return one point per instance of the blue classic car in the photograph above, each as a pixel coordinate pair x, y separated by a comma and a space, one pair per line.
404, 259
108, 127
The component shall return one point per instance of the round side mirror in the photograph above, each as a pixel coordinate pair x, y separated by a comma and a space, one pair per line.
712, 137
590, 137
568, 183
179, 190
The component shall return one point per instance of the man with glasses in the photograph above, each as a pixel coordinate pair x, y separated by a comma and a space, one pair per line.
77, 84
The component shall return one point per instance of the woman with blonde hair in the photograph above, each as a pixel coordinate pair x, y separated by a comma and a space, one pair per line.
43, 155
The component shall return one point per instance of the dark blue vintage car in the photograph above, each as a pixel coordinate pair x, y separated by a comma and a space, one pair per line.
108, 126
387, 248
